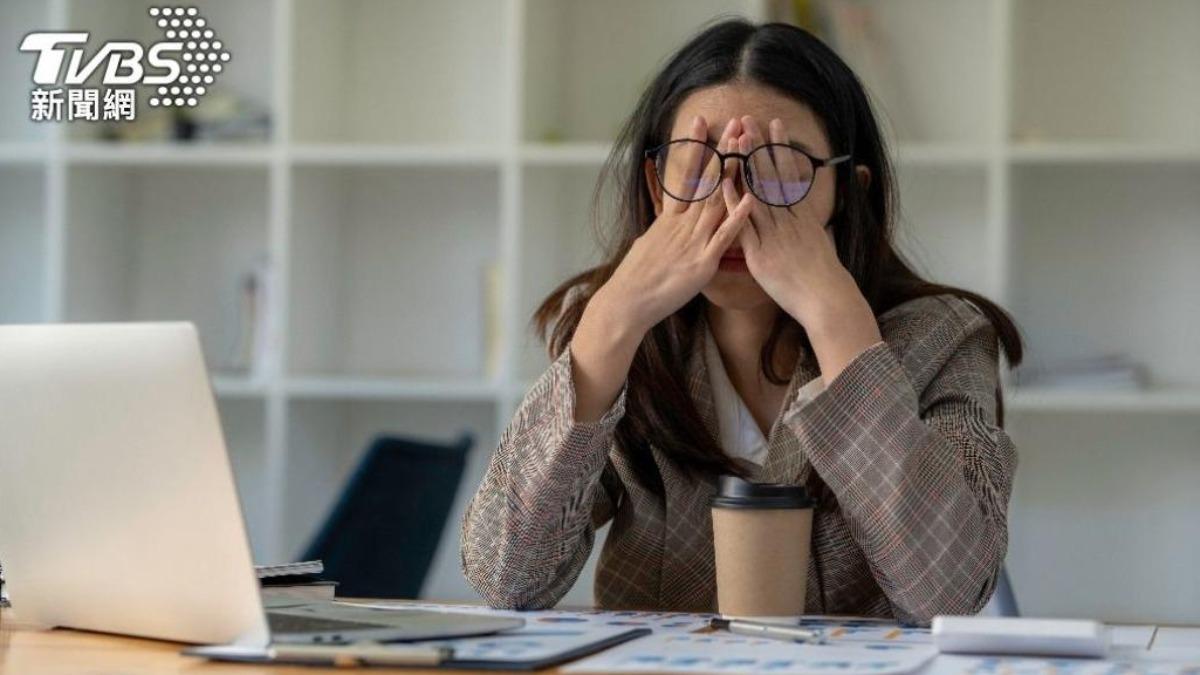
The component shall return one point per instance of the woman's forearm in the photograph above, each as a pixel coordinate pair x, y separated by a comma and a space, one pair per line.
602, 352
842, 331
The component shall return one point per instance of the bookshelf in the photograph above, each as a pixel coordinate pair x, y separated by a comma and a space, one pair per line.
1039, 164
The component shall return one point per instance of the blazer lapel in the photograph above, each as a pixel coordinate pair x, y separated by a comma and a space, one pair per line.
689, 574
698, 383
786, 460
687, 524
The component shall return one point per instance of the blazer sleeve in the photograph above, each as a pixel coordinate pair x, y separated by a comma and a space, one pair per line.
529, 529
922, 481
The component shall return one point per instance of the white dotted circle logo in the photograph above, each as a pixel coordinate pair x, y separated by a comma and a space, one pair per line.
201, 52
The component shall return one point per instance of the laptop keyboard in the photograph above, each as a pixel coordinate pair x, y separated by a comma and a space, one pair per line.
291, 623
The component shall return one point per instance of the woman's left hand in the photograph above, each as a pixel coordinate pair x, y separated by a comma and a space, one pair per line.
790, 252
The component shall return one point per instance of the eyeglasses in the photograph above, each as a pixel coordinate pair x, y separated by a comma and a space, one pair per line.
777, 174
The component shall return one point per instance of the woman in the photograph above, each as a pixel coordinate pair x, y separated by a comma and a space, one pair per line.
753, 318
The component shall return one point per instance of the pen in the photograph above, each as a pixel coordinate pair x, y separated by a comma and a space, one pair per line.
768, 630
362, 654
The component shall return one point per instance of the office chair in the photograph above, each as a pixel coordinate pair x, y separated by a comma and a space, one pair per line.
381, 535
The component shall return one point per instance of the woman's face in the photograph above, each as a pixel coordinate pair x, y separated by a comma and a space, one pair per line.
733, 287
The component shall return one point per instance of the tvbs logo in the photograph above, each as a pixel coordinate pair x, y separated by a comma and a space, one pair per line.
180, 67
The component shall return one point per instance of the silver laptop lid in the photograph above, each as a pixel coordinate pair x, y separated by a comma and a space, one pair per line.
118, 508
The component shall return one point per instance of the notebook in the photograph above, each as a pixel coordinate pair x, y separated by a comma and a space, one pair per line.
290, 582
307, 568
527, 648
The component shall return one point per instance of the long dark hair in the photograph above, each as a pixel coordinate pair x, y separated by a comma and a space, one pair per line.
790, 60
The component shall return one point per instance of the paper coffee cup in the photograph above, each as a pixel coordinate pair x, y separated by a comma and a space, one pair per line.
761, 538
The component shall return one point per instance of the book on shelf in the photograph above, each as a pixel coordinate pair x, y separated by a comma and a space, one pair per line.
1106, 372
251, 348
293, 569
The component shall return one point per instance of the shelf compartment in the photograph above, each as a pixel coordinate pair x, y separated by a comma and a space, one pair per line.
1104, 497
243, 422
559, 238
586, 62
17, 18
166, 243
22, 245
910, 64
943, 225
389, 271
327, 438
246, 29
1092, 272
1130, 75
352, 81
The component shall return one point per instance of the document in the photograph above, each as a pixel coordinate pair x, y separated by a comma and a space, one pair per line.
531, 647
720, 652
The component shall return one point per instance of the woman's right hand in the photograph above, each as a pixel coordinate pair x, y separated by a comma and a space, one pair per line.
664, 268
679, 253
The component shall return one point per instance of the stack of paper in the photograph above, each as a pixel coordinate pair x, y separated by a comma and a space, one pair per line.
1101, 372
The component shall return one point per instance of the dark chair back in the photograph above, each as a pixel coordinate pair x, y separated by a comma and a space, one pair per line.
380, 537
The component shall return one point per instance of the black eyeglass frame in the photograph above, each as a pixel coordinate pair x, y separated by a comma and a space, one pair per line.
817, 163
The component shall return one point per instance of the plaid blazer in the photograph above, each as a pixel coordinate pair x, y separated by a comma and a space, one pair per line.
902, 452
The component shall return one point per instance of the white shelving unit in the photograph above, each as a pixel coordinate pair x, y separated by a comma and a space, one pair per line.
416, 144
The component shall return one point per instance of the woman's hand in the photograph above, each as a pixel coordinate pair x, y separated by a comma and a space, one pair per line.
664, 268
679, 253
791, 253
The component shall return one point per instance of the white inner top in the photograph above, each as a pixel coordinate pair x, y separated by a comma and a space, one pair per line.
739, 433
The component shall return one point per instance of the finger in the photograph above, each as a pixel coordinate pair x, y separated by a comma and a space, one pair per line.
761, 214
711, 214
762, 164
795, 170
730, 194
748, 238
712, 210
708, 181
684, 164
739, 218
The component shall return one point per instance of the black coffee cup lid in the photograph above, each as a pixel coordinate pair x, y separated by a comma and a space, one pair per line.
737, 493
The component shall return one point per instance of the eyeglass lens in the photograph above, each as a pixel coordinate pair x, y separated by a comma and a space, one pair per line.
777, 175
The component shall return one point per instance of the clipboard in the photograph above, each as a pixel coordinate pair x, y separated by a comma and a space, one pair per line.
486, 652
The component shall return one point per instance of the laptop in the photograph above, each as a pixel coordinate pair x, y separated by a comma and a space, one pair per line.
118, 507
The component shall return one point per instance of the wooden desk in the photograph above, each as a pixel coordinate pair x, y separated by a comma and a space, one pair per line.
26, 651
29, 651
